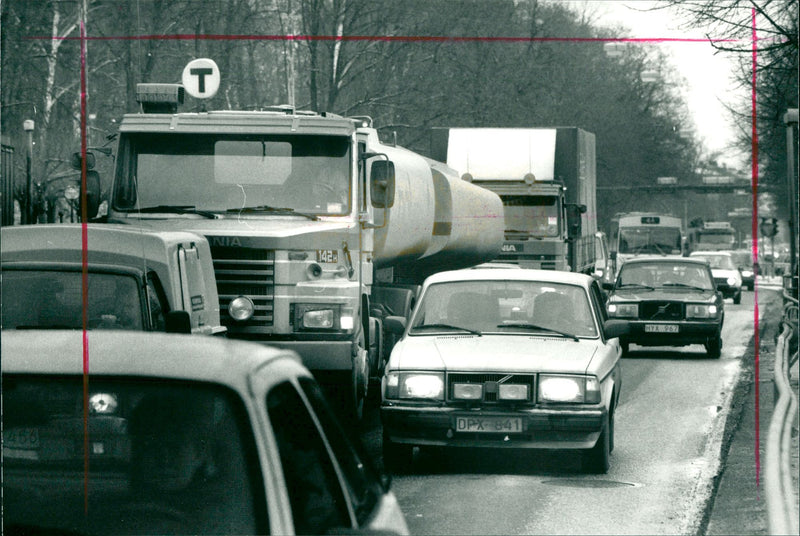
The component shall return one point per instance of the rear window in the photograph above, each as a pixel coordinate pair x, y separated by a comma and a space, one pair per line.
146, 457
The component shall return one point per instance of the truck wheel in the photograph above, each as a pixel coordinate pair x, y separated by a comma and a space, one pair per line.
360, 383
596, 460
397, 457
714, 347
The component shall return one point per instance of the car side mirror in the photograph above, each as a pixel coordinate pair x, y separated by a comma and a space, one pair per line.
395, 324
614, 328
382, 183
178, 322
607, 285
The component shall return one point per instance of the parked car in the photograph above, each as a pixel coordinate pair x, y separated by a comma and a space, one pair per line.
743, 259
669, 302
727, 277
504, 359
176, 435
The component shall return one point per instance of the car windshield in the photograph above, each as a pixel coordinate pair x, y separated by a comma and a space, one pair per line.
49, 299
504, 307
665, 274
144, 456
276, 174
722, 262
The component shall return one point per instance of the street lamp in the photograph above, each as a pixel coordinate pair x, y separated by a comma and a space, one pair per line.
790, 119
28, 126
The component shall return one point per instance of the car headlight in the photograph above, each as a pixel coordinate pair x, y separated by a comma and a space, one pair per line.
700, 311
467, 391
408, 385
513, 391
569, 389
747, 273
623, 310
732, 281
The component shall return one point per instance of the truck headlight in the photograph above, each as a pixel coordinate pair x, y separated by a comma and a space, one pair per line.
570, 389
623, 310
241, 308
414, 385
700, 311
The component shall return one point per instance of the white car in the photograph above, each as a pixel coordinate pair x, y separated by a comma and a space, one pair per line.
727, 276
499, 358
123, 432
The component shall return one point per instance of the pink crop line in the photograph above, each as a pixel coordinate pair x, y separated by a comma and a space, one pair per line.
754, 180
387, 38
422, 39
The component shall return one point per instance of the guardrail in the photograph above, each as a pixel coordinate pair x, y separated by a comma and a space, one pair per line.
781, 502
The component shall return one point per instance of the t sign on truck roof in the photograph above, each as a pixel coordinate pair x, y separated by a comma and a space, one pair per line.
201, 78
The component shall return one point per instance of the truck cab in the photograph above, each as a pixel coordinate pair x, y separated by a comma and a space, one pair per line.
135, 279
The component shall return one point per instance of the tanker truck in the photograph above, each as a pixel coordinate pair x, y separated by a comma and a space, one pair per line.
546, 179
317, 229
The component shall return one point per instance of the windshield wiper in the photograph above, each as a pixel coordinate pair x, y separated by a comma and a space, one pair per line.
176, 209
528, 325
684, 285
273, 210
447, 326
635, 285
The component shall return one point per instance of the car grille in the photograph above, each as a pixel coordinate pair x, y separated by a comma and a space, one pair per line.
491, 383
661, 310
245, 272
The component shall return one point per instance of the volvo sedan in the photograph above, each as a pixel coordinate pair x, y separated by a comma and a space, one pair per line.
669, 302
504, 359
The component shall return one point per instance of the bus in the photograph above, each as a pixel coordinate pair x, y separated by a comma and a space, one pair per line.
645, 233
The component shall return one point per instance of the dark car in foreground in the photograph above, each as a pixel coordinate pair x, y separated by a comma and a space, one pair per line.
496, 358
669, 302
115, 432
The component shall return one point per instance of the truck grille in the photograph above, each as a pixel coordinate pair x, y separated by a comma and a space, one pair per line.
245, 272
661, 310
490, 384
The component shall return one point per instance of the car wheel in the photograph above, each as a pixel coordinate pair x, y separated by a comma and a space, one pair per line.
611, 433
737, 298
750, 287
626, 346
596, 459
397, 457
714, 347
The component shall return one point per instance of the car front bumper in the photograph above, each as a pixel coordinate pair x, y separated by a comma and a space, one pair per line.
571, 428
689, 332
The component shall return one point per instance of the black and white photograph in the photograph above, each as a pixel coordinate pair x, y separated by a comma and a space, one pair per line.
413, 267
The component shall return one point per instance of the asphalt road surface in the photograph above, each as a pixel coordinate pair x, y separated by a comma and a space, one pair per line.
669, 428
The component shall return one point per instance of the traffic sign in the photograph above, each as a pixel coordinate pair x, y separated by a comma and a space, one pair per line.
201, 78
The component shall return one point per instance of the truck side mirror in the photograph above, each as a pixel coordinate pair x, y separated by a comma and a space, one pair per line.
574, 219
382, 184
76, 159
178, 322
93, 190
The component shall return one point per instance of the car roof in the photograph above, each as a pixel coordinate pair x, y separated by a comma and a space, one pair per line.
670, 260
132, 353
509, 274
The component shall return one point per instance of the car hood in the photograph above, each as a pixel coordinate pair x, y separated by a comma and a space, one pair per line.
507, 353
662, 295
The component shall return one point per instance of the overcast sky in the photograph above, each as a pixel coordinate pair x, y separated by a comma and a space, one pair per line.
708, 75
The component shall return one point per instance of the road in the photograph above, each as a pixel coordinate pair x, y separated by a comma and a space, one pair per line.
669, 428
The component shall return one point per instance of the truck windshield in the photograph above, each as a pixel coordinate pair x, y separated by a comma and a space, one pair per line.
48, 299
646, 240
305, 173
717, 239
533, 215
